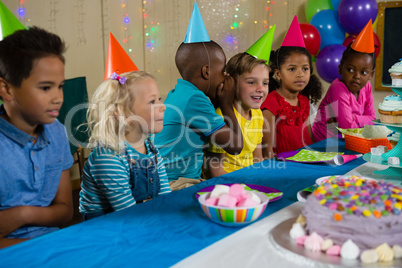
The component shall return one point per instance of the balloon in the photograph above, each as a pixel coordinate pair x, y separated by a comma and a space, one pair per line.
311, 37
314, 6
335, 4
350, 38
328, 60
375, 23
327, 23
354, 14
377, 44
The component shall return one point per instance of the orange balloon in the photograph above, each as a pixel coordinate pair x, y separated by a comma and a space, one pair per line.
117, 59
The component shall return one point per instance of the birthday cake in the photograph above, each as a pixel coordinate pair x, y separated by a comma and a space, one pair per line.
359, 216
391, 109
396, 74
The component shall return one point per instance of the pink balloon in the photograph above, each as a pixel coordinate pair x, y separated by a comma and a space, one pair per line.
311, 37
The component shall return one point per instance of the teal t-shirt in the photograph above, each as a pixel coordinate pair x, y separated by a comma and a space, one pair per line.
189, 119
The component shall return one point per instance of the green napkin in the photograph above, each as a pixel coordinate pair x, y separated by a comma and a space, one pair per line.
269, 195
313, 156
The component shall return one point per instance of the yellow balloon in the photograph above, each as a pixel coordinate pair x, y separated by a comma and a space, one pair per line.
375, 23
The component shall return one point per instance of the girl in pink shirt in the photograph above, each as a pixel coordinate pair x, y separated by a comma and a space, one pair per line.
349, 101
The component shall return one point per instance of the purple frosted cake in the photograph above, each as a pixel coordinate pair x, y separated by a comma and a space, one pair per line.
366, 211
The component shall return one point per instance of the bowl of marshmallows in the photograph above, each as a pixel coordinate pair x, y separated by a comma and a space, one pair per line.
233, 205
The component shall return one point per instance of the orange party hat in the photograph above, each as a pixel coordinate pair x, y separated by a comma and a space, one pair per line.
117, 59
365, 40
294, 37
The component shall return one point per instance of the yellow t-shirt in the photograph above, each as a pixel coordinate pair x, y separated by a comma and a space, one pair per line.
252, 136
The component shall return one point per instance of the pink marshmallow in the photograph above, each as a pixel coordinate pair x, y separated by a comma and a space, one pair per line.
237, 190
300, 240
226, 200
335, 250
247, 202
212, 201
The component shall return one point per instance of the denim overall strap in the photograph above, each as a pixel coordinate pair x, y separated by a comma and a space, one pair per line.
144, 176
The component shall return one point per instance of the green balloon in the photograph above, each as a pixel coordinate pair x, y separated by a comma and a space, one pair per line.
313, 6
8, 22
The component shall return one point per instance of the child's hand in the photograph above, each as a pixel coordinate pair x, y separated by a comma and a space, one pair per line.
226, 92
10, 220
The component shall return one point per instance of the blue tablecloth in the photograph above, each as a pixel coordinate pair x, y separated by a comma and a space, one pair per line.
161, 232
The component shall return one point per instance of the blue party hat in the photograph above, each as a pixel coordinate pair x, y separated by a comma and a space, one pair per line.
196, 31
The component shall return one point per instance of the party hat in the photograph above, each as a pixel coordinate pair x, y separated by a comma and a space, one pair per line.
262, 48
117, 59
294, 37
9, 23
196, 31
365, 40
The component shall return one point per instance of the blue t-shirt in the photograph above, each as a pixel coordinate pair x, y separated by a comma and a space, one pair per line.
30, 173
189, 119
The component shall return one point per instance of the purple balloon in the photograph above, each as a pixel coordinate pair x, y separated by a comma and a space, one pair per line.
328, 60
355, 14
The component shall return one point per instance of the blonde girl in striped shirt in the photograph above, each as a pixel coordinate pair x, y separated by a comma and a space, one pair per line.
124, 167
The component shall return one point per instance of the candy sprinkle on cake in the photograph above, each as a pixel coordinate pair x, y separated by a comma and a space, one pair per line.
352, 212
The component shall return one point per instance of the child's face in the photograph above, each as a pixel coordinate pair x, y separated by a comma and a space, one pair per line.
294, 73
356, 71
39, 98
253, 87
147, 105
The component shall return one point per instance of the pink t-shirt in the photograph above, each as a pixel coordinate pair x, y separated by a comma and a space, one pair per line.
349, 112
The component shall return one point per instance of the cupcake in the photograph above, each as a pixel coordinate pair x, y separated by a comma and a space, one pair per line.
396, 74
394, 138
391, 110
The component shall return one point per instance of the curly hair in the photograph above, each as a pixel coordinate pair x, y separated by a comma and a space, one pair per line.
110, 108
313, 90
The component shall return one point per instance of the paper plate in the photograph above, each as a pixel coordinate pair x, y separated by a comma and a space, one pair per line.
284, 155
271, 193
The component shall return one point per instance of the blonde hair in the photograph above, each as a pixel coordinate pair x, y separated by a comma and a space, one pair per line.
111, 106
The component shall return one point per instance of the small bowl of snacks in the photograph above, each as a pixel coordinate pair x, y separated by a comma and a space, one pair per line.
233, 205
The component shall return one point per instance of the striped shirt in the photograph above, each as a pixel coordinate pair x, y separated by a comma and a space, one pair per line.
106, 183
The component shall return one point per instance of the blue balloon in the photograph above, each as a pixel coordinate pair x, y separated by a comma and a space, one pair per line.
335, 4
327, 23
327, 62
354, 14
